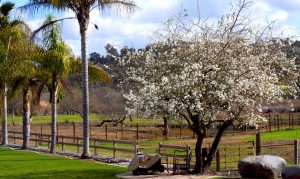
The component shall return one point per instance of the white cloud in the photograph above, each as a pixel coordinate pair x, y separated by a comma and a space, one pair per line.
134, 30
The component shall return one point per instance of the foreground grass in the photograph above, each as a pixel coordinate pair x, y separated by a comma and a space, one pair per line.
25, 164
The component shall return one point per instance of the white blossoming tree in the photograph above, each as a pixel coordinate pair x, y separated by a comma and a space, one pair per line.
205, 72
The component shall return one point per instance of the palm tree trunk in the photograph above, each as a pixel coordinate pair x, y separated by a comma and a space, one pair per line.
83, 24
54, 114
26, 118
4, 120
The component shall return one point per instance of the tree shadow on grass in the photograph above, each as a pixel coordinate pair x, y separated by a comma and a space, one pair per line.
102, 174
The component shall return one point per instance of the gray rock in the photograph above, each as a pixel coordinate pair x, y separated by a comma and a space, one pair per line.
262, 166
292, 172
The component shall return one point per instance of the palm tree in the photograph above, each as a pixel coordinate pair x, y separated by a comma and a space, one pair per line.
25, 81
82, 9
9, 33
55, 67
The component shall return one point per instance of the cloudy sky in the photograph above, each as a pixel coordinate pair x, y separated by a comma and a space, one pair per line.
134, 31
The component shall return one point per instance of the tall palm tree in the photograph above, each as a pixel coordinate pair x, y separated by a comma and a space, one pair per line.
9, 34
56, 66
82, 9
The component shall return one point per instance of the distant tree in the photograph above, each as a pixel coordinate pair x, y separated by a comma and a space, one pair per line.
97, 59
203, 72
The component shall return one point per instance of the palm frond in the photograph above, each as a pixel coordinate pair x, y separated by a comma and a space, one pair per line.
45, 25
6, 8
39, 8
119, 6
16, 86
95, 73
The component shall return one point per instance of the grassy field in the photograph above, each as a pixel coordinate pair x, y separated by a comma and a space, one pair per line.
26, 164
286, 134
93, 118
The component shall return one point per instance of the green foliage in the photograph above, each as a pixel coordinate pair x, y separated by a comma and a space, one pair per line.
20, 164
95, 73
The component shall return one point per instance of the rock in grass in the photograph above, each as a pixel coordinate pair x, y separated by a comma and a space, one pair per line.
292, 172
262, 166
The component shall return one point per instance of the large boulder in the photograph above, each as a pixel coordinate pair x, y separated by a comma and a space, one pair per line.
292, 172
262, 166
143, 161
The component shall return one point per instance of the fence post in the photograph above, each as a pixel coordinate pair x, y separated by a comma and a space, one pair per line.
258, 144
36, 140
278, 127
78, 145
290, 121
136, 147
95, 149
14, 137
105, 131
62, 143
281, 122
74, 132
296, 152
114, 148
218, 160
137, 131
48, 141
122, 133
293, 121
180, 131
57, 131
270, 123
204, 154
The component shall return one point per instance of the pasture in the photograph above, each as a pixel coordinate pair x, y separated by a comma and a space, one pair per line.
148, 133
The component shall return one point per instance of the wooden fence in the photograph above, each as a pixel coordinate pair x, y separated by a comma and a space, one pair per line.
226, 158
114, 146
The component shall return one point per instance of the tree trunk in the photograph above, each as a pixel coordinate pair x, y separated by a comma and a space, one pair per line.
198, 166
83, 20
26, 118
54, 111
13, 116
4, 120
166, 128
215, 144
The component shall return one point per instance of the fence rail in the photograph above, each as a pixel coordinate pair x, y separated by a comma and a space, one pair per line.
111, 145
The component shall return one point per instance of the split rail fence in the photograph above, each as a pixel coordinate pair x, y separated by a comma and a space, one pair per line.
38, 139
226, 158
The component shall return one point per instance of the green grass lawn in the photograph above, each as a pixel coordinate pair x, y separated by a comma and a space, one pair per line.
26, 164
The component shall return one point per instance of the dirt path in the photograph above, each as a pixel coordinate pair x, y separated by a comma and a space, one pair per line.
164, 176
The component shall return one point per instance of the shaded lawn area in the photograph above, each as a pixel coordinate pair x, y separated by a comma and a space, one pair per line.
26, 164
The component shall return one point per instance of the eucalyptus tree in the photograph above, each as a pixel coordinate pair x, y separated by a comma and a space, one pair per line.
204, 73
82, 9
10, 34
